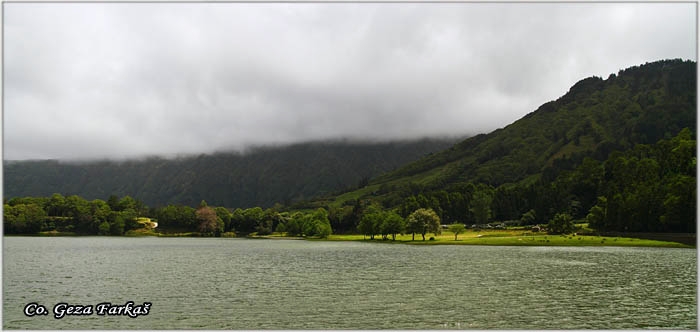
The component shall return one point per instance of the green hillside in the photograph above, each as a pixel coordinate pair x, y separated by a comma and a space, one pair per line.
523, 166
261, 177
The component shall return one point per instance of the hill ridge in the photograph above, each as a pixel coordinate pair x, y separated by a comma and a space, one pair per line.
643, 131
261, 176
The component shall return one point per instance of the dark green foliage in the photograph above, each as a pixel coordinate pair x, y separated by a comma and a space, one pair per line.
376, 221
481, 205
178, 217
30, 215
23, 218
371, 221
295, 225
342, 219
528, 218
392, 224
117, 224
225, 216
260, 177
104, 229
252, 219
309, 224
317, 224
561, 224
651, 188
264, 226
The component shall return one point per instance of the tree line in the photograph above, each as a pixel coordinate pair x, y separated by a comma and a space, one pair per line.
649, 188
118, 216
73, 214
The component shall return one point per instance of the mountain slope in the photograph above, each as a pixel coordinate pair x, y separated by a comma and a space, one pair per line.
639, 105
262, 177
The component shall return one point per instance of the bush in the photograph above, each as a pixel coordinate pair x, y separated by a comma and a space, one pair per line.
561, 224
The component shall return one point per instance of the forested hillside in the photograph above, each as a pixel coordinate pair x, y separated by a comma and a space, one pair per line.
617, 144
261, 177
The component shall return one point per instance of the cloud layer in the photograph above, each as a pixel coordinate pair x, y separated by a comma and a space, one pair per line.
95, 80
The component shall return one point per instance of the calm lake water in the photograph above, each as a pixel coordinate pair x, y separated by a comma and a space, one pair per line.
196, 283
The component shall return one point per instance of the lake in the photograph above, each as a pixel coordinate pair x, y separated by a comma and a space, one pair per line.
224, 283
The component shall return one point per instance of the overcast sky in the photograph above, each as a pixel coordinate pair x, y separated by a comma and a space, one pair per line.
95, 80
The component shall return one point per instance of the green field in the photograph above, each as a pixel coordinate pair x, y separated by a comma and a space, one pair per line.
514, 238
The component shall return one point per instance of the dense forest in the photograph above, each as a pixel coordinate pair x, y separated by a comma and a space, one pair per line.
262, 176
128, 216
619, 154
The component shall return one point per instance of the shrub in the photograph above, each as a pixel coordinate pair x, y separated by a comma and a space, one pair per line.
561, 224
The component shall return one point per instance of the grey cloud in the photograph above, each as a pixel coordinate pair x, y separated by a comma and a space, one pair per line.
92, 80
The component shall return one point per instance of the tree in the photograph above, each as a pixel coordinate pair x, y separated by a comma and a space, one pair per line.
237, 219
209, 223
340, 218
252, 218
277, 218
57, 206
113, 202
392, 224
225, 215
457, 229
413, 226
680, 205
130, 222
294, 225
79, 210
316, 223
370, 222
409, 205
423, 221
281, 227
528, 218
100, 210
597, 214
104, 228
264, 226
23, 218
323, 225
561, 224
117, 223
127, 202
481, 206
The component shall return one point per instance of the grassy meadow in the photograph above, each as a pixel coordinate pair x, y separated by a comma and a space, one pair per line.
514, 238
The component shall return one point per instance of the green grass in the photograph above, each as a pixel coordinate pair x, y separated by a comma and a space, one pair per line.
514, 238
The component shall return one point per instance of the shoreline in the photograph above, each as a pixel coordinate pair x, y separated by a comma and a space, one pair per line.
486, 239
523, 240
